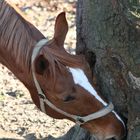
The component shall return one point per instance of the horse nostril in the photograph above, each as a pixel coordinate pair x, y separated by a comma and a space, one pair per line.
69, 98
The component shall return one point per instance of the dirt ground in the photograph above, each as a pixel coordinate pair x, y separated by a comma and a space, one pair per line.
19, 118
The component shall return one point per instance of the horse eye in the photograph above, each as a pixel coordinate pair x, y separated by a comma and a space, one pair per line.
42, 65
69, 98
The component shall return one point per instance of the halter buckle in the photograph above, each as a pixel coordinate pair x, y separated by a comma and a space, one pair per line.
42, 96
79, 121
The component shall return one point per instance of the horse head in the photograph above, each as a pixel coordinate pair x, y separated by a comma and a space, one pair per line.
65, 88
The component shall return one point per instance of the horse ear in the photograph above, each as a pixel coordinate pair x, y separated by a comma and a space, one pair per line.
61, 29
41, 64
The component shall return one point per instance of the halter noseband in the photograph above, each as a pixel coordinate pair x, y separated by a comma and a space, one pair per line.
43, 99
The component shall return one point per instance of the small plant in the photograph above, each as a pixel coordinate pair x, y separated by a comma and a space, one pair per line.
2, 97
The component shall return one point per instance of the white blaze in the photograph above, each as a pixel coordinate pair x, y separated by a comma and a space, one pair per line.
81, 79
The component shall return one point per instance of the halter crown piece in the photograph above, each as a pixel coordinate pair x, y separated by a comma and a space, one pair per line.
43, 99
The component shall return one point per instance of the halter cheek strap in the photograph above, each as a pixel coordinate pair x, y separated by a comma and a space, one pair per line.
43, 99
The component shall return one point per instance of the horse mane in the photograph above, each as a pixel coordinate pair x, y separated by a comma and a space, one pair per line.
17, 35
62, 59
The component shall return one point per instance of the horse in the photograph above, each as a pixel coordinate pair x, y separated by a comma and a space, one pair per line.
60, 84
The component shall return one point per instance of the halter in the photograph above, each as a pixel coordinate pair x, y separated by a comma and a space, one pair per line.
43, 99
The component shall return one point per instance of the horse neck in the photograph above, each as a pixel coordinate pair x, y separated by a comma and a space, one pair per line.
17, 39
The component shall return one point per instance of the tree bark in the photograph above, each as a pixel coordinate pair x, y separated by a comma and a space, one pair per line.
104, 28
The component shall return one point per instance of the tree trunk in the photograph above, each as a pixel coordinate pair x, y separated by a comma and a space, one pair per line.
104, 28
106, 31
